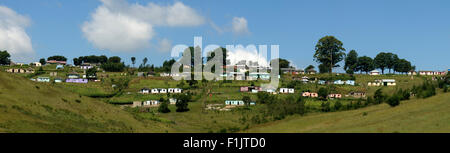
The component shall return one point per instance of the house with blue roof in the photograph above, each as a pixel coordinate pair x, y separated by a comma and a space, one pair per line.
339, 82
350, 82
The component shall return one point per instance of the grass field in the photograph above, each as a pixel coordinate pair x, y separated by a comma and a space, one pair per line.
27, 106
418, 115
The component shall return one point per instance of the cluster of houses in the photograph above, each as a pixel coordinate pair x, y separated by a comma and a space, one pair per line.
160, 90
236, 103
71, 78
20, 70
306, 79
152, 103
256, 89
294, 71
376, 72
382, 82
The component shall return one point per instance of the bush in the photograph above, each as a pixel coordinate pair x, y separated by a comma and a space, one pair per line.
164, 107
393, 101
379, 97
323, 93
337, 106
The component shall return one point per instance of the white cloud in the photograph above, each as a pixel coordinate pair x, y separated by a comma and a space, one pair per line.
119, 26
248, 54
239, 25
164, 45
13, 36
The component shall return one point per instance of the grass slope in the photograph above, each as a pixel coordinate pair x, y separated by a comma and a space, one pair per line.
418, 115
27, 106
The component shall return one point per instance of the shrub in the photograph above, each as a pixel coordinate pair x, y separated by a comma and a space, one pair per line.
394, 101
379, 97
323, 93
164, 107
337, 105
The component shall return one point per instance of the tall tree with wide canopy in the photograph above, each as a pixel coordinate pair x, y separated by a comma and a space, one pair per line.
133, 60
402, 66
365, 64
351, 61
393, 59
381, 61
4, 58
329, 51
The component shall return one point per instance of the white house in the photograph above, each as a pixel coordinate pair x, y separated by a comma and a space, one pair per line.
177, 90
426, 72
234, 102
374, 72
145, 91
43, 79
151, 103
287, 90
155, 91
37, 64
388, 82
172, 101
174, 90
163, 91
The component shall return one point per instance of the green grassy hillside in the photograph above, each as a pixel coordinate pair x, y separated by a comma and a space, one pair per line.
27, 106
418, 115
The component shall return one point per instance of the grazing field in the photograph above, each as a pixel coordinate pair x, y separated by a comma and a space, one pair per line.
27, 106
417, 115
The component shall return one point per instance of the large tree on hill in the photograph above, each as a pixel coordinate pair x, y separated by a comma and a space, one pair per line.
133, 60
283, 63
309, 67
224, 55
57, 58
402, 66
381, 61
42, 61
393, 58
4, 58
365, 64
329, 51
114, 59
324, 68
351, 62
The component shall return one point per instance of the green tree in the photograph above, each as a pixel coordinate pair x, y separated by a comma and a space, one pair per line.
309, 67
42, 61
365, 64
284, 63
329, 51
76, 61
323, 93
378, 96
392, 61
114, 59
381, 61
57, 58
393, 101
182, 102
402, 66
133, 60
246, 100
337, 105
164, 106
324, 68
351, 62
4, 58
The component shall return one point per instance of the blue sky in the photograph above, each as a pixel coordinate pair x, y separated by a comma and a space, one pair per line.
416, 30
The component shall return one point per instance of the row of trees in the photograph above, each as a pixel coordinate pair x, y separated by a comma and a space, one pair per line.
382, 61
329, 51
90, 59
